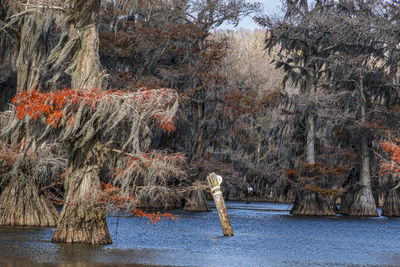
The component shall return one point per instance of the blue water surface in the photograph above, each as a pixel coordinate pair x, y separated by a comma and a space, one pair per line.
265, 234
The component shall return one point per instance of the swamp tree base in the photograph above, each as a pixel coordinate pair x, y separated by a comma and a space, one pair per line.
364, 203
82, 224
22, 204
197, 202
311, 204
82, 219
391, 207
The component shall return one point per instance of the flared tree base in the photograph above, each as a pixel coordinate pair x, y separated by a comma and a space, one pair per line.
391, 207
82, 223
22, 204
197, 202
364, 203
311, 204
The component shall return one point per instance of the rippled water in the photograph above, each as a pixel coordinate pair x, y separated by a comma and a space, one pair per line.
265, 235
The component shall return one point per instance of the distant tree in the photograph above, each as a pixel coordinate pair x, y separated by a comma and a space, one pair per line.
341, 48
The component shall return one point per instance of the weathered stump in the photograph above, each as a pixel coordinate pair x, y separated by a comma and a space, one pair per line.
216, 192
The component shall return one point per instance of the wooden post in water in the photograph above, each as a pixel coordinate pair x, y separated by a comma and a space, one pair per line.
214, 182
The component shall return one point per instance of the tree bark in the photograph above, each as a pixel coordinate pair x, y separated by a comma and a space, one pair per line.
82, 219
22, 204
310, 145
33, 49
199, 128
78, 45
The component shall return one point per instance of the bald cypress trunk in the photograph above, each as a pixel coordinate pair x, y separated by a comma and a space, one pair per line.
22, 204
199, 131
311, 204
196, 202
391, 207
78, 46
82, 219
364, 202
308, 202
33, 48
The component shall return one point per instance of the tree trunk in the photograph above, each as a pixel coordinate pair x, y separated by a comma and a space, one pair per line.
307, 202
196, 202
78, 45
310, 146
33, 50
346, 202
22, 204
391, 207
311, 204
364, 202
82, 219
199, 128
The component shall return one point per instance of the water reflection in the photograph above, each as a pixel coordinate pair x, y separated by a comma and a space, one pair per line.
265, 235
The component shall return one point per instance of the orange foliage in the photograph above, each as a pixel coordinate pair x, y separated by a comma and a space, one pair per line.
309, 175
51, 105
393, 164
249, 103
290, 172
144, 162
110, 194
153, 217
323, 191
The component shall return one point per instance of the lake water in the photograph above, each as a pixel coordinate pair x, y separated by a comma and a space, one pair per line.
265, 234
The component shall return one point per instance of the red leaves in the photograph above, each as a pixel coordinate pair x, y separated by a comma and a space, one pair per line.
313, 177
51, 105
251, 102
110, 194
290, 172
392, 165
153, 217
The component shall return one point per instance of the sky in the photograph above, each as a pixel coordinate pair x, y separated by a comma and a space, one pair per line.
271, 7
